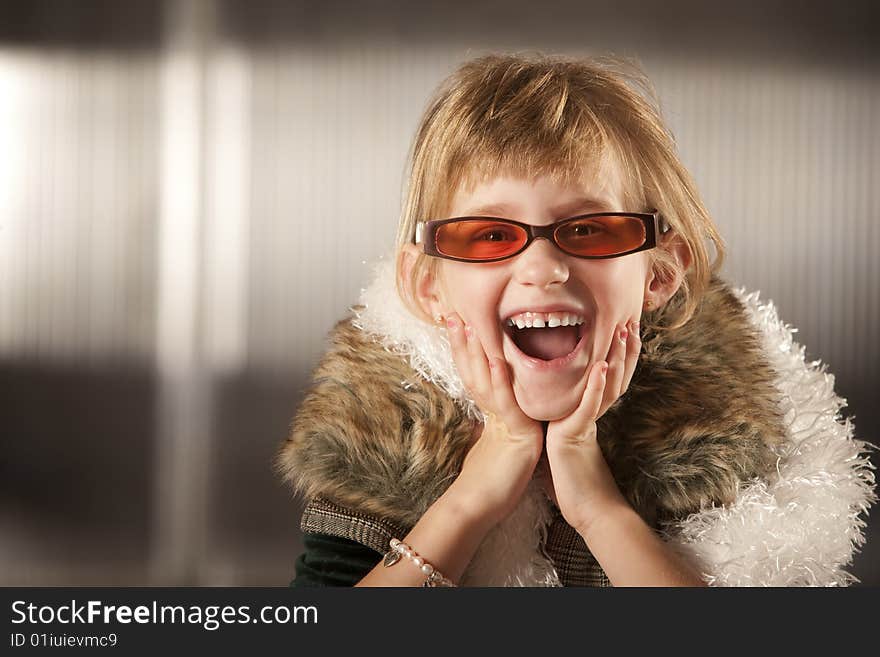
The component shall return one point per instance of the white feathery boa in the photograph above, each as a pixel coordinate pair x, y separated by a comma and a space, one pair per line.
799, 528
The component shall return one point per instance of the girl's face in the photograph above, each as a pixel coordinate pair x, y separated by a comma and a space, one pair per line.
547, 364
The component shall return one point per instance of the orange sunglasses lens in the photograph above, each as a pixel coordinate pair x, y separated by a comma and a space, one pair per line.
601, 236
480, 239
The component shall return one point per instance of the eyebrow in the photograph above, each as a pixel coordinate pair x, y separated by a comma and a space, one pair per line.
570, 209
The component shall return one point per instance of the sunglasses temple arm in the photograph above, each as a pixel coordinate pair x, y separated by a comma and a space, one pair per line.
663, 225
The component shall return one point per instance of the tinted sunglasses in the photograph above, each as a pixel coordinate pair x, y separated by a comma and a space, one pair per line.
489, 239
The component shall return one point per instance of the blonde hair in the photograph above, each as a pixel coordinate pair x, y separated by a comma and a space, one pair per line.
529, 116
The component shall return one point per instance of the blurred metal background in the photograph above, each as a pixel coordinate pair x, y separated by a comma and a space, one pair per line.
162, 302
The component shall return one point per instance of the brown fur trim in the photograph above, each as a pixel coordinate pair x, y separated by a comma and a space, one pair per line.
698, 418
700, 414
372, 435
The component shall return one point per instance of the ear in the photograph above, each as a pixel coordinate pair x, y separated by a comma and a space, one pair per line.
661, 285
427, 293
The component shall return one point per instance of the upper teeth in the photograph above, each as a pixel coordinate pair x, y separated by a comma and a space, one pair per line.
540, 320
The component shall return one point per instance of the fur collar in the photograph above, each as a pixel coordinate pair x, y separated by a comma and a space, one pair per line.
709, 443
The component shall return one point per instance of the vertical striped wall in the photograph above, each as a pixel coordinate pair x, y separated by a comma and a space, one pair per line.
789, 163
78, 181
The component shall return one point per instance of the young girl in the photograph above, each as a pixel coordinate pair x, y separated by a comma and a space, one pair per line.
551, 385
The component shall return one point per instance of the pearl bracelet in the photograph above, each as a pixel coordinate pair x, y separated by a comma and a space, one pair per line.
400, 549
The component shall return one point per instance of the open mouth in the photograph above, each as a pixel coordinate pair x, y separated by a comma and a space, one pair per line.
546, 336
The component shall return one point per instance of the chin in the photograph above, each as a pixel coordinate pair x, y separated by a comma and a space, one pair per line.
547, 407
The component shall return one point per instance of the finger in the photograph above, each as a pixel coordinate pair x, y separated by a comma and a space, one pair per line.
633, 349
505, 399
478, 363
588, 410
616, 365
455, 331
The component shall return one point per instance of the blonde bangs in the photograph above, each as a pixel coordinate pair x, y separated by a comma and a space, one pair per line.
518, 127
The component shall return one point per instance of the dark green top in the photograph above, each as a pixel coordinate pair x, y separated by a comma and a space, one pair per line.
332, 561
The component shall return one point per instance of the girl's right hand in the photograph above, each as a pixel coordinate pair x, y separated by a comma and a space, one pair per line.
500, 464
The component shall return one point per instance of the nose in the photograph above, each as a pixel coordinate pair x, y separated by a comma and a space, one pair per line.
541, 264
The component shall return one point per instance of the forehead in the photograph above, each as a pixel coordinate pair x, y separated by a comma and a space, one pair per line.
539, 198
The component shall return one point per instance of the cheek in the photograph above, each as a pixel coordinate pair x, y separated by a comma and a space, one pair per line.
453, 280
616, 282
469, 290
632, 276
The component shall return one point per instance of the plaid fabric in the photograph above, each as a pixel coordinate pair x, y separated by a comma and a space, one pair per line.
575, 564
565, 547
322, 516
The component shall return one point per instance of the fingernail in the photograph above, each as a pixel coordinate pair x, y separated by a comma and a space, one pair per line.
450, 323
468, 330
604, 369
623, 334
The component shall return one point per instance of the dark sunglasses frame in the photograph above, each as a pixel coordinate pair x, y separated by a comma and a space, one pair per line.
426, 231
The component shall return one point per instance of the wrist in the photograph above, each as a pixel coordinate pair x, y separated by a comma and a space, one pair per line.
602, 514
467, 511
445, 537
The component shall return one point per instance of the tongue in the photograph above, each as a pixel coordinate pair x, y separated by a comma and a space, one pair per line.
547, 343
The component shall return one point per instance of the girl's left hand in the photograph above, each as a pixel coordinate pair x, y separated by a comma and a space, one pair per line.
582, 485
